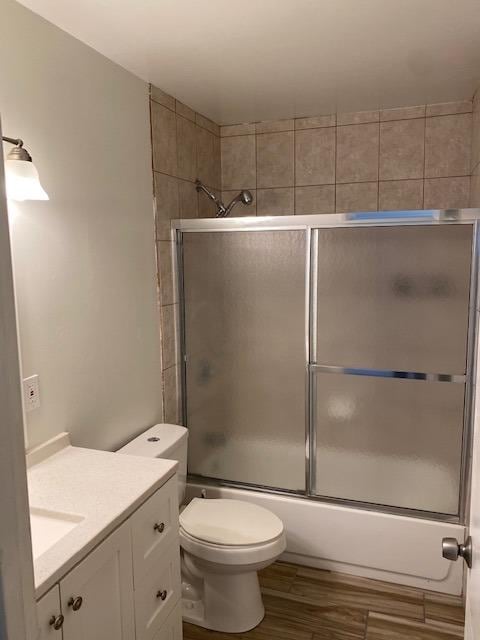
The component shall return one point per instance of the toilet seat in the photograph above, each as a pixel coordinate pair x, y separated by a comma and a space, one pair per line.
230, 532
232, 523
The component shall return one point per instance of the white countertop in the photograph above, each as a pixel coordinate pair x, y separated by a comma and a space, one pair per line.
102, 487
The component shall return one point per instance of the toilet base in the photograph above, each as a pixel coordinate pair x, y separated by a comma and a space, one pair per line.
230, 603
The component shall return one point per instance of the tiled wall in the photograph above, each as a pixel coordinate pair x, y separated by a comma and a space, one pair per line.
185, 145
475, 164
406, 158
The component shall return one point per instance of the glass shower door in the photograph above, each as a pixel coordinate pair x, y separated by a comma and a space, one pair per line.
389, 364
244, 326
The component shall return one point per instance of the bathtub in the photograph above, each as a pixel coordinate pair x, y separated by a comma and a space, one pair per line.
397, 549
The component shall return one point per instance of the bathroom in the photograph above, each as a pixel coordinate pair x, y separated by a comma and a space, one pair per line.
259, 246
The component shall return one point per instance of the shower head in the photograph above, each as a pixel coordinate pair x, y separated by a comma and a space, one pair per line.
245, 197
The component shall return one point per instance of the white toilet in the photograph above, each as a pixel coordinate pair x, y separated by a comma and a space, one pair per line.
224, 543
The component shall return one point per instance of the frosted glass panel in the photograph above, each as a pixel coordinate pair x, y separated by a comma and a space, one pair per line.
245, 345
389, 441
394, 297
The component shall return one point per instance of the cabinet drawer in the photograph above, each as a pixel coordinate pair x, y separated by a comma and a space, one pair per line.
157, 593
154, 526
49, 615
172, 628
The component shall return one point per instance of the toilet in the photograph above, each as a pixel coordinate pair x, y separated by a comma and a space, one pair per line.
224, 543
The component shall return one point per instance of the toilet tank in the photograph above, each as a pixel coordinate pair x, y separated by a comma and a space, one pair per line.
163, 441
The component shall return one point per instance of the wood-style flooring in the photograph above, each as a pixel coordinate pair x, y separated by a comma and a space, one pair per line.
310, 604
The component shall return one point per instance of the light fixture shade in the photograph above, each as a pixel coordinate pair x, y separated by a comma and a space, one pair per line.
22, 181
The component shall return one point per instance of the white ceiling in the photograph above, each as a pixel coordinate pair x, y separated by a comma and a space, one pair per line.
243, 60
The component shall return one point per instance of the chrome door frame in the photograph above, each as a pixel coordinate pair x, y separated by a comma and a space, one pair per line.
311, 223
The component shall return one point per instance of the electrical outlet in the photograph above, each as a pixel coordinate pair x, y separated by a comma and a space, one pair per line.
31, 393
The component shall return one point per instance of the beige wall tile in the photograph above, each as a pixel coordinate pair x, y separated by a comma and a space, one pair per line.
448, 146
447, 108
208, 158
275, 159
206, 208
318, 199
475, 188
171, 395
207, 124
357, 153
315, 156
238, 162
162, 98
166, 199
361, 196
240, 210
271, 126
447, 193
164, 139
402, 113
168, 294
316, 121
237, 129
186, 149
187, 199
402, 145
358, 117
475, 151
275, 202
400, 194
170, 355
184, 111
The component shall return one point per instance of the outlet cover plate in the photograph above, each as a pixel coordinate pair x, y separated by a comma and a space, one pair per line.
31, 393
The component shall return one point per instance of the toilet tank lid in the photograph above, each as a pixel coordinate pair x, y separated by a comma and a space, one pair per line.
157, 442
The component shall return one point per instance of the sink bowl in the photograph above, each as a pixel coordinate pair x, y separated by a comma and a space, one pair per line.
48, 527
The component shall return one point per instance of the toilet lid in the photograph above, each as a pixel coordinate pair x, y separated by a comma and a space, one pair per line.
229, 522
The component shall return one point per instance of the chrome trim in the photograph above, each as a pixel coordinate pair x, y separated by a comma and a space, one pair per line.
178, 270
469, 402
312, 390
308, 342
324, 220
388, 373
352, 504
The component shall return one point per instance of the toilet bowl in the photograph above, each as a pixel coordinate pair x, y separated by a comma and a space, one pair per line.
224, 543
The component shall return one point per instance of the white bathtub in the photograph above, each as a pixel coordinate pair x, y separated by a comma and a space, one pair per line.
375, 545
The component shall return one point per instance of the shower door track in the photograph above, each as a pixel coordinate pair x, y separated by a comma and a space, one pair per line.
310, 223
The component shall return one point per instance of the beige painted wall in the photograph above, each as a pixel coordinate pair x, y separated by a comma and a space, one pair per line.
84, 261
185, 146
406, 158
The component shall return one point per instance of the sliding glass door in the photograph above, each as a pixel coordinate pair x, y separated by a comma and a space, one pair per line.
389, 364
244, 316
330, 361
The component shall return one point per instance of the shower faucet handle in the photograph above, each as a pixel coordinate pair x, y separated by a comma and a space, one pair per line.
452, 550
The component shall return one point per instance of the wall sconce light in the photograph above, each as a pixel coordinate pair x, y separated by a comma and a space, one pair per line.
21, 177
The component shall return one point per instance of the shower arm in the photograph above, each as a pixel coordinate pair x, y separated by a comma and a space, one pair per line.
222, 210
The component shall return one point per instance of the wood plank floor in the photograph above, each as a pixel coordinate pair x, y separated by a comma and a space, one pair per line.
310, 604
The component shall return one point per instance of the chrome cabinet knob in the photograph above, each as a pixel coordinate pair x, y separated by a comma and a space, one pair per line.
75, 603
452, 550
56, 622
162, 594
159, 526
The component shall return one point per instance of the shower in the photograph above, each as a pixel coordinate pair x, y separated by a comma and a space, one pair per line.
245, 197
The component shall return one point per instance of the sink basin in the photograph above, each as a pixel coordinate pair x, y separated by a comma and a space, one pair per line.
48, 527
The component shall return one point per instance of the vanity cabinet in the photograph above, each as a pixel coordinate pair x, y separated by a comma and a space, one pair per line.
128, 587
96, 596
50, 616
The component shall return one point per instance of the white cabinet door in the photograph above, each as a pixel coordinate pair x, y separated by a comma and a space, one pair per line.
97, 596
50, 619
